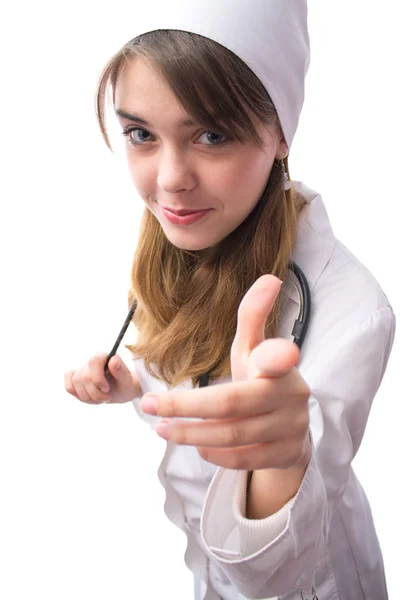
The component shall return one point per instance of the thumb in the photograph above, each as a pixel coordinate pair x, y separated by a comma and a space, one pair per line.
121, 375
274, 357
253, 312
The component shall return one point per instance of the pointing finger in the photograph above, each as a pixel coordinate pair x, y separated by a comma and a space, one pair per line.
225, 400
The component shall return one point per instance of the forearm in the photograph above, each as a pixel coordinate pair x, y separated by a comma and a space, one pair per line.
270, 489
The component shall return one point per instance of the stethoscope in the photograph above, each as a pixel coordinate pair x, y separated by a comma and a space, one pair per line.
299, 329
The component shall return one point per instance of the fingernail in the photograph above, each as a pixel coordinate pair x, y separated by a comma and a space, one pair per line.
149, 404
105, 388
163, 429
117, 364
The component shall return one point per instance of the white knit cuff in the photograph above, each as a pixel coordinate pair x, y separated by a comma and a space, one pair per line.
255, 534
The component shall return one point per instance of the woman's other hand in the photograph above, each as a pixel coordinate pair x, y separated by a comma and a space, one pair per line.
89, 384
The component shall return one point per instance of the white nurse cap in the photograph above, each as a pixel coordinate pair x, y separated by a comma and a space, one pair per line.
270, 36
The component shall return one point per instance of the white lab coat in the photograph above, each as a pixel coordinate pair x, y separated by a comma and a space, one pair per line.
325, 535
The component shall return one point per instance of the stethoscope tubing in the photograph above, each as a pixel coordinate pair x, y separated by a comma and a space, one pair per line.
303, 320
299, 329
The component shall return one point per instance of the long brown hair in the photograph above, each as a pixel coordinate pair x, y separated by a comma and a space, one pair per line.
187, 305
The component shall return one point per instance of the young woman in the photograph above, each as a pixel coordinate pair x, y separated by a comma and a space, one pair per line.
257, 468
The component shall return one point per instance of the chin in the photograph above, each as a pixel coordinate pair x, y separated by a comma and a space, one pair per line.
185, 244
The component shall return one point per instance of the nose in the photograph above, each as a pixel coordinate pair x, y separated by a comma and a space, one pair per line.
175, 174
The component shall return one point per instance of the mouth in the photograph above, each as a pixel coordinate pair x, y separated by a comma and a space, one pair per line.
183, 212
185, 217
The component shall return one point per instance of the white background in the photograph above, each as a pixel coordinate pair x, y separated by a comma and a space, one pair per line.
81, 505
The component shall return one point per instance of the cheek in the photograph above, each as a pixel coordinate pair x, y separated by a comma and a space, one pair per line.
245, 180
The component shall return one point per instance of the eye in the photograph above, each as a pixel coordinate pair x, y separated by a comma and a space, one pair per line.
211, 137
128, 130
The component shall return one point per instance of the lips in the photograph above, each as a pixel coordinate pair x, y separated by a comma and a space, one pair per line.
182, 212
187, 219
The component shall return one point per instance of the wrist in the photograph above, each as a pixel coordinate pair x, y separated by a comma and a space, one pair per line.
270, 489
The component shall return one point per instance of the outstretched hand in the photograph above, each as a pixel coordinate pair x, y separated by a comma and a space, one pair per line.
261, 419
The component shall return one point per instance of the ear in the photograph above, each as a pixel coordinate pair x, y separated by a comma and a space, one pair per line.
282, 149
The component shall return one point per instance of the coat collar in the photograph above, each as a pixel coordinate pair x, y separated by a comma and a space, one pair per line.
315, 241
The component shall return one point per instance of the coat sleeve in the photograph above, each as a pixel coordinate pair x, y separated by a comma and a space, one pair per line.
276, 555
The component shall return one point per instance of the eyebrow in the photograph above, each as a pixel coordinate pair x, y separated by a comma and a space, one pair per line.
126, 115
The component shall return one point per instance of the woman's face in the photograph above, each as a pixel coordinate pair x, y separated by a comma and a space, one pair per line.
186, 167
